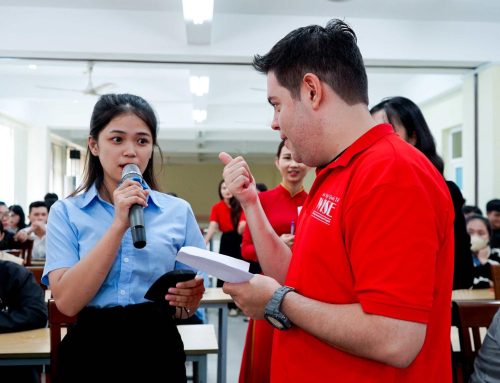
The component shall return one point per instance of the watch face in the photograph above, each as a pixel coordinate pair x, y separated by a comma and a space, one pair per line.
275, 322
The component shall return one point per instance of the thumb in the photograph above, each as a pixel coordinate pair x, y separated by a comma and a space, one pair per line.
225, 158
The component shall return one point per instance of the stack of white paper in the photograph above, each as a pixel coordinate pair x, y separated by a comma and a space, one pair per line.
220, 266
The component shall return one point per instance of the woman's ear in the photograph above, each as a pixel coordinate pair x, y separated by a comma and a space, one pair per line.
93, 147
413, 139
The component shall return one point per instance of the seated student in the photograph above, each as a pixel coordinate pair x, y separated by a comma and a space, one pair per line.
22, 307
487, 363
483, 255
3, 208
50, 199
38, 214
469, 210
493, 214
7, 239
17, 218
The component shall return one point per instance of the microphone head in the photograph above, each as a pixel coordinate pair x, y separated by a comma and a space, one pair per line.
131, 171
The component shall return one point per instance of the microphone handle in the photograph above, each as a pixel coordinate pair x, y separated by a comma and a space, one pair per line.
136, 217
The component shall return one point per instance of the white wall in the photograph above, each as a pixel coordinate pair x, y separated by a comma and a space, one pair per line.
457, 109
489, 134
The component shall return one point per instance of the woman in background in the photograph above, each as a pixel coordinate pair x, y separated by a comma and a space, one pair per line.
225, 217
409, 123
94, 269
17, 219
281, 206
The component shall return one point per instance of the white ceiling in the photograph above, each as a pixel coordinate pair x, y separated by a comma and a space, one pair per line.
141, 47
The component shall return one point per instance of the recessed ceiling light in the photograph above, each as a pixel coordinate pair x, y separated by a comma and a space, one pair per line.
198, 11
199, 115
32, 67
199, 85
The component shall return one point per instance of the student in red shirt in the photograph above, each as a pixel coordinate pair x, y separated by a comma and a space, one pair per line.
281, 206
359, 300
225, 217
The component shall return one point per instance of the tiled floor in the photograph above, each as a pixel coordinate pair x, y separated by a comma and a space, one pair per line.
237, 330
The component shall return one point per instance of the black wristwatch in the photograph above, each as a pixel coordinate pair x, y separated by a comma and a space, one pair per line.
272, 311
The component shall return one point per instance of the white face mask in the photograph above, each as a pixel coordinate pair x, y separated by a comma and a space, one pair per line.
477, 243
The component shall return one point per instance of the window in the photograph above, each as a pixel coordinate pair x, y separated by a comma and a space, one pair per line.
456, 160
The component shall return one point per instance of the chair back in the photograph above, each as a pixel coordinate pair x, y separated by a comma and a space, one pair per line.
38, 273
469, 317
26, 248
57, 321
495, 276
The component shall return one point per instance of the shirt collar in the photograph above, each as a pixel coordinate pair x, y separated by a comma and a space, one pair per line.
365, 141
285, 189
92, 194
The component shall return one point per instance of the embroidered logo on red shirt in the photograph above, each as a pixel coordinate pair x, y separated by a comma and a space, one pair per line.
323, 210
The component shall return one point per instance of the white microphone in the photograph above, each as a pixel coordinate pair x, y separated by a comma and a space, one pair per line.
136, 213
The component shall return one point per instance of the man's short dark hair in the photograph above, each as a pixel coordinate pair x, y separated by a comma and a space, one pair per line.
37, 204
469, 209
493, 205
50, 199
330, 52
2, 203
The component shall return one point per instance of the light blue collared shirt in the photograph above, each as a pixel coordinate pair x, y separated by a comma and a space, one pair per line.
76, 224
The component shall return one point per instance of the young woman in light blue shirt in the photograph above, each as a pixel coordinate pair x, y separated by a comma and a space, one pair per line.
95, 271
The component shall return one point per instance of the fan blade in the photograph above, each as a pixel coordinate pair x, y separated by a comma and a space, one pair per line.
55, 88
98, 88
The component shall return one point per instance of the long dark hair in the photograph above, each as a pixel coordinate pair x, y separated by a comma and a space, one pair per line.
108, 107
235, 206
17, 209
400, 110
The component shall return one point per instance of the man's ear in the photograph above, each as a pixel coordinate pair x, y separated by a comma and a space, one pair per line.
94, 149
312, 89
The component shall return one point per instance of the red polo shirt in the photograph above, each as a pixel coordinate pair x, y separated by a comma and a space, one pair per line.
281, 210
376, 229
221, 213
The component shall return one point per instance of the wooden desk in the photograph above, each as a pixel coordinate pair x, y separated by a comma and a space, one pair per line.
216, 298
25, 348
33, 347
472, 294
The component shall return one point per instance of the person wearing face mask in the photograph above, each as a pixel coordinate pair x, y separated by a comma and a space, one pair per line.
483, 256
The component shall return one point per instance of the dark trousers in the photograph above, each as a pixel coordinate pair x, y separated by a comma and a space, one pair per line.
136, 343
230, 244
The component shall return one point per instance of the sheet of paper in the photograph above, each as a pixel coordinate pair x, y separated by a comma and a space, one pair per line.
220, 266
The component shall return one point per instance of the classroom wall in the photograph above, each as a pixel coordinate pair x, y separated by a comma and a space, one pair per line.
456, 109
489, 134
197, 183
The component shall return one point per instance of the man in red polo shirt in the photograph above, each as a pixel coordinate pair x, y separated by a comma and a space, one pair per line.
365, 297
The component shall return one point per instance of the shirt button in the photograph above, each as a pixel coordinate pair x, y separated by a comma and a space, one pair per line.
125, 260
122, 292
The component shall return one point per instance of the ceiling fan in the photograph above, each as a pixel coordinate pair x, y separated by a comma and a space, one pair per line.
89, 89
